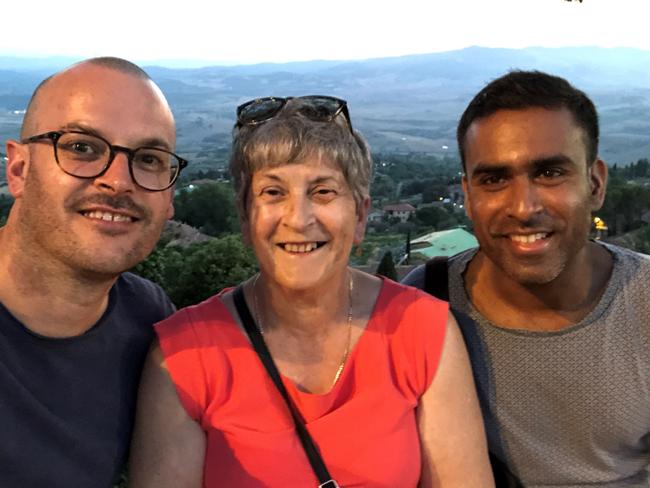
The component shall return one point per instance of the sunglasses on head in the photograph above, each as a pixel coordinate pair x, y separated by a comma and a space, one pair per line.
320, 108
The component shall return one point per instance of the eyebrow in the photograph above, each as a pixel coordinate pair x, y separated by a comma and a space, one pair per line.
148, 142
484, 167
316, 181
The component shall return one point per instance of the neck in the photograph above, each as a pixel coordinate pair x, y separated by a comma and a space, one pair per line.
560, 303
45, 295
304, 312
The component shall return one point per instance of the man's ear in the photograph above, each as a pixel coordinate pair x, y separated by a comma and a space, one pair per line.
466, 201
16, 167
170, 208
598, 183
362, 218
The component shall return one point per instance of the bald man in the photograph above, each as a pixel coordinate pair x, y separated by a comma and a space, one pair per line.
92, 178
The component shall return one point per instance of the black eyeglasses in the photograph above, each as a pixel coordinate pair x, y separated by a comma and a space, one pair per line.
320, 108
86, 155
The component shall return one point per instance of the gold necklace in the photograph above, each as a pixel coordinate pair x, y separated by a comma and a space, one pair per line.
339, 370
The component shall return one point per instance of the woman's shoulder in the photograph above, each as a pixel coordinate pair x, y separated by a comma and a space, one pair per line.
404, 311
208, 319
411, 325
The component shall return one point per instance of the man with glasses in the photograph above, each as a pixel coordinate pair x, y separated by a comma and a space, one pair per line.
92, 178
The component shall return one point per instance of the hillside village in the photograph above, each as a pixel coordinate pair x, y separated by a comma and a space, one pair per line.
417, 202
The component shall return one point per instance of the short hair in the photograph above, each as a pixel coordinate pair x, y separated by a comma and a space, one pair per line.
112, 63
527, 89
292, 138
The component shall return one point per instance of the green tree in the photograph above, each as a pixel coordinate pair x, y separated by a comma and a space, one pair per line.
5, 205
383, 186
643, 240
624, 205
433, 192
431, 216
190, 275
211, 266
387, 266
209, 207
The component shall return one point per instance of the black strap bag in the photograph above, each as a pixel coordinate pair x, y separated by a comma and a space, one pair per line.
310, 448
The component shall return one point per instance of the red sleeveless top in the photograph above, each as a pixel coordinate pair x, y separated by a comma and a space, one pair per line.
365, 427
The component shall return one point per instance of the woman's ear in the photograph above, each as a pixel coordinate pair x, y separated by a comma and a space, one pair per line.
362, 217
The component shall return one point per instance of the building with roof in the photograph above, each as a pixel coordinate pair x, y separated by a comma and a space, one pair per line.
400, 210
443, 243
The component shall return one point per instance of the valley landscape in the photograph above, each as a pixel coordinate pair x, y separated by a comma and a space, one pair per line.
403, 105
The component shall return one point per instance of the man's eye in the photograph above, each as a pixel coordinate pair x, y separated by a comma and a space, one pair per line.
550, 173
492, 180
81, 148
152, 161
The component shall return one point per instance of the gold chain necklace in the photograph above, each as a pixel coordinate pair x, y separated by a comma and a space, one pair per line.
339, 370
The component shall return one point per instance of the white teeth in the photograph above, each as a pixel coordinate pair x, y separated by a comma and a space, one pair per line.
300, 248
529, 238
107, 216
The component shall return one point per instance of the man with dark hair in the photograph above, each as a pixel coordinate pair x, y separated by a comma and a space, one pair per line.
557, 325
92, 178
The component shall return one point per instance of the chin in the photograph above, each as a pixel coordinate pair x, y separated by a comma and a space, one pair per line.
106, 267
533, 275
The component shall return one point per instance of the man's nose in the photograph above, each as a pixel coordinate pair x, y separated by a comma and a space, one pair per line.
524, 199
117, 177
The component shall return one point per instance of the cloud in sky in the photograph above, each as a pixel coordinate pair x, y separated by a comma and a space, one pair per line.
291, 30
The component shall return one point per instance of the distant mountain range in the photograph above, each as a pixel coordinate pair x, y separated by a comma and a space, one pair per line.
401, 104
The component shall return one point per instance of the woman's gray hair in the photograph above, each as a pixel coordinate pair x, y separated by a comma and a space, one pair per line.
292, 138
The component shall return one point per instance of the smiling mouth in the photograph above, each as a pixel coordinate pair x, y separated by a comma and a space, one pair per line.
107, 216
302, 248
528, 238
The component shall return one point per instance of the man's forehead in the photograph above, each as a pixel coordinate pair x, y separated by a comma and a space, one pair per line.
525, 115
84, 80
104, 98
523, 135
525, 125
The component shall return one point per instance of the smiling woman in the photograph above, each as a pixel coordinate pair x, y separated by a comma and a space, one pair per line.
368, 374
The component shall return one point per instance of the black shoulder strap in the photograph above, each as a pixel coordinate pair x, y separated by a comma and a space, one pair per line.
436, 277
315, 459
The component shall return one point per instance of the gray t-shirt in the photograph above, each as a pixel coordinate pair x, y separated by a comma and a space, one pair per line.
569, 408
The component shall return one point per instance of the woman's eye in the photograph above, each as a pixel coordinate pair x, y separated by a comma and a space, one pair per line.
271, 192
323, 193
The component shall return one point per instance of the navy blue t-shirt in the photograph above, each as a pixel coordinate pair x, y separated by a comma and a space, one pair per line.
67, 405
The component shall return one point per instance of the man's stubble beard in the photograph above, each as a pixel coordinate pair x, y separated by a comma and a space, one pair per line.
48, 232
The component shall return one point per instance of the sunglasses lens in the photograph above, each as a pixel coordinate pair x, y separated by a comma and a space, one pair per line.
259, 110
315, 107
321, 108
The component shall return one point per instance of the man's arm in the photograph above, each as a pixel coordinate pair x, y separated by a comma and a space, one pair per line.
168, 447
454, 448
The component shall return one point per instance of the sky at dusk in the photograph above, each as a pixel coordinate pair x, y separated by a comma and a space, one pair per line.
251, 31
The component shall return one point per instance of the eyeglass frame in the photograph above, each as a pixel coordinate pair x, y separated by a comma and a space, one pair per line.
343, 108
113, 149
